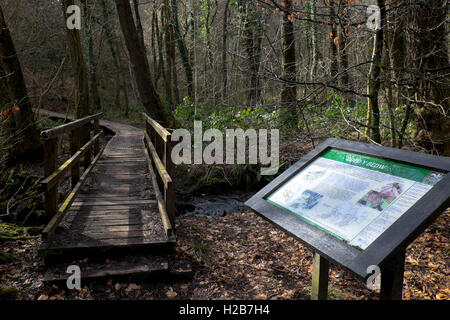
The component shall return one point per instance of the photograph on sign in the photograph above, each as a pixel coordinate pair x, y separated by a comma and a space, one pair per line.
353, 197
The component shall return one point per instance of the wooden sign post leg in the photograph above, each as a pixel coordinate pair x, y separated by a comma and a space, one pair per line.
392, 278
319, 289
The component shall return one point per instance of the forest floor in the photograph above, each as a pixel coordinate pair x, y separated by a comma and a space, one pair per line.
239, 256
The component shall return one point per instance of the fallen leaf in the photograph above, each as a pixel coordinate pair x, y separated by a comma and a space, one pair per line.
261, 296
132, 287
171, 294
43, 297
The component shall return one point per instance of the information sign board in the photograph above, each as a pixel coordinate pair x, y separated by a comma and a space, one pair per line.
357, 204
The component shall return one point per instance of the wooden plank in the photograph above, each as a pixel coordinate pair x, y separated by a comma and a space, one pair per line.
92, 197
115, 222
83, 247
165, 135
131, 196
113, 218
51, 133
168, 225
139, 270
319, 289
107, 214
104, 229
54, 178
112, 203
50, 228
74, 219
158, 163
106, 209
102, 234
125, 160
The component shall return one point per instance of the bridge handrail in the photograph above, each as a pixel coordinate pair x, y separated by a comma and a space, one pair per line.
58, 131
158, 149
80, 130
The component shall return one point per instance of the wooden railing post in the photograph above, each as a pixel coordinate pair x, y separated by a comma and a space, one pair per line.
74, 147
159, 146
96, 131
50, 162
169, 195
87, 135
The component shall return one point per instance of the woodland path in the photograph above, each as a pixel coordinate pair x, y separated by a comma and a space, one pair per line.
116, 210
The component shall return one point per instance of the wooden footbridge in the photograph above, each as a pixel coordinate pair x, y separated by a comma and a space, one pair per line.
121, 205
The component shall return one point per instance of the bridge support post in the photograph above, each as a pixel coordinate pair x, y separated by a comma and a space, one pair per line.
74, 147
87, 155
96, 131
50, 162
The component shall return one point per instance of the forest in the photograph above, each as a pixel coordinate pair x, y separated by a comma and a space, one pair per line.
371, 71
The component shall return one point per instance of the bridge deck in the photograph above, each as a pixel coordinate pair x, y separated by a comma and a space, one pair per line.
117, 205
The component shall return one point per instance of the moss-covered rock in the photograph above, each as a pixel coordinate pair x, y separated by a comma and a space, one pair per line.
8, 293
5, 257
11, 232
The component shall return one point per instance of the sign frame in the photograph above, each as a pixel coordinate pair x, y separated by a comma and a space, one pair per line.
392, 242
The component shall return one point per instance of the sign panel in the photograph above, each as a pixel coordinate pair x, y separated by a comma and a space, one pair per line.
357, 204
352, 196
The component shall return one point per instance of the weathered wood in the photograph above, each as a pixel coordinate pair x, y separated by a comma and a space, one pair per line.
85, 247
74, 147
96, 131
54, 178
112, 203
58, 131
158, 163
118, 161
392, 277
319, 288
50, 159
103, 217
50, 228
88, 152
163, 133
167, 223
135, 270
170, 197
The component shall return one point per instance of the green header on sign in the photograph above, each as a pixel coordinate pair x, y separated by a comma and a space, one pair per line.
397, 169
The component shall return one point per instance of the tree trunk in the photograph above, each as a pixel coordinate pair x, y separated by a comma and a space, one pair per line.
92, 62
334, 63
224, 50
374, 82
21, 134
314, 40
78, 65
184, 54
429, 58
172, 54
288, 63
149, 97
140, 31
252, 34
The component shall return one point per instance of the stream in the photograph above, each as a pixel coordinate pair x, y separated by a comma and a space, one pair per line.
213, 205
